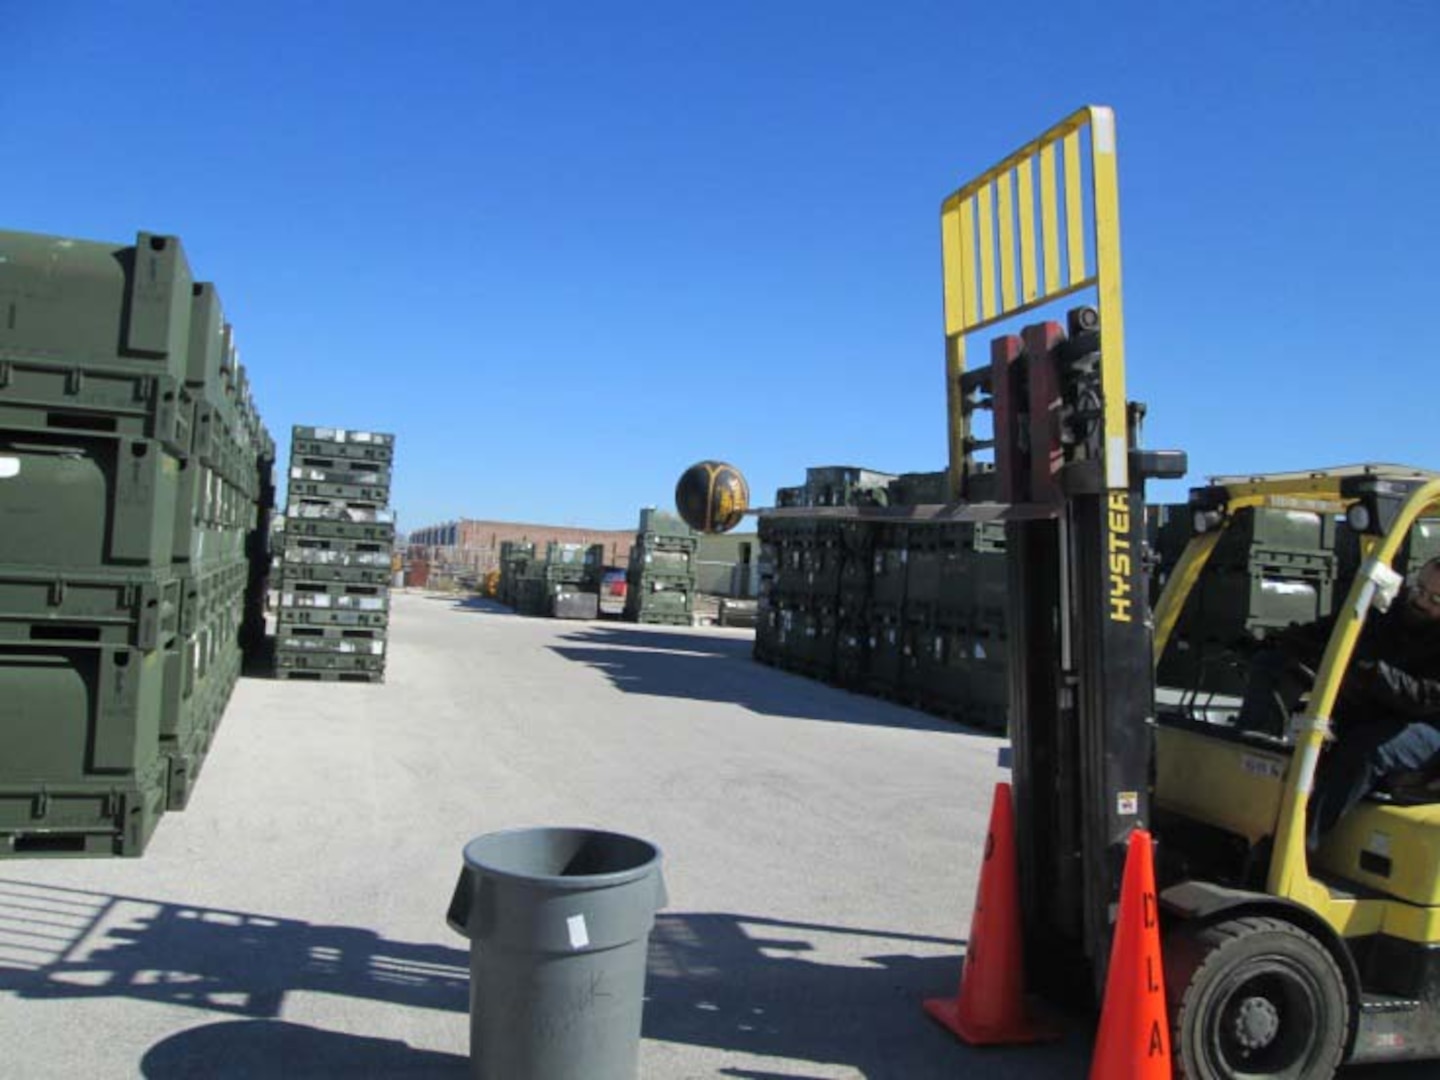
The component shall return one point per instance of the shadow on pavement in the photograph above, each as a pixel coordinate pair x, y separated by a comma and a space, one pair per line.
795, 992
477, 603
262, 1049
701, 667
773, 989
67, 943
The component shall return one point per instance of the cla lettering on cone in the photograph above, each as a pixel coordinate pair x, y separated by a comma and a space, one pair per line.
1133, 1042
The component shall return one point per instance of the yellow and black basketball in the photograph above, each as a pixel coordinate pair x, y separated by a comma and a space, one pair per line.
712, 497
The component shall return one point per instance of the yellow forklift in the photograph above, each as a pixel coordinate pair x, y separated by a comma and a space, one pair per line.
1275, 966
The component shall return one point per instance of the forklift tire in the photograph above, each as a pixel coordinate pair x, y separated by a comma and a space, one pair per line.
1254, 998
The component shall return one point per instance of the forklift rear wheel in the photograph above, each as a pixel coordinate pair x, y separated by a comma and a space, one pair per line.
1254, 999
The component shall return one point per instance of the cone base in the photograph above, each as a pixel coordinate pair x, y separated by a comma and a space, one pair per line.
1015, 1032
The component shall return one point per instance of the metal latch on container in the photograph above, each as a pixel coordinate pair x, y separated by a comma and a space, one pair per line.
40, 805
74, 381
57, 592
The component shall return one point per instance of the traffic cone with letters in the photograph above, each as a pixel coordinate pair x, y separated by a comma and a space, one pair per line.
990, 1006
1133, 1042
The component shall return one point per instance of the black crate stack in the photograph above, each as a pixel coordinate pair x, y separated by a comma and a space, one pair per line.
133, 500
335, 554
905, 609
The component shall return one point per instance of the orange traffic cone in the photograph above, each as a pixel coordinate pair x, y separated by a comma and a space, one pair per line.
990, 1006
1133, 1042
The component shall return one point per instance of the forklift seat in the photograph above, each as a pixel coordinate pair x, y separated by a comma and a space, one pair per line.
1412, 787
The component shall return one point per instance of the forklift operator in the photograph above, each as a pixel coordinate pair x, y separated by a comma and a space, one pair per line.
1387, 718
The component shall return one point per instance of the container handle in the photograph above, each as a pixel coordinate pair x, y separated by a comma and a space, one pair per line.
460, 902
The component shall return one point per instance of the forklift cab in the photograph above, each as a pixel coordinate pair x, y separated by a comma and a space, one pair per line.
1230, 803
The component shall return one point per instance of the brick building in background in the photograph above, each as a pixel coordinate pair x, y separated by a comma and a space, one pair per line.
475, 545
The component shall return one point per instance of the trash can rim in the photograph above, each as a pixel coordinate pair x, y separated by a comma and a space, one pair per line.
559, 881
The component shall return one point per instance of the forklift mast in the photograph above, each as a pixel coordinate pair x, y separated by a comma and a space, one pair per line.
1040, 226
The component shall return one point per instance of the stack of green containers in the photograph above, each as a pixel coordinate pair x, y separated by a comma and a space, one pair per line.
133, 497
903, 609
660, 579
335, 557
515, 557
564, 585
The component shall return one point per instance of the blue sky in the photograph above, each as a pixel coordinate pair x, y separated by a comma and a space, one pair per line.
563, 250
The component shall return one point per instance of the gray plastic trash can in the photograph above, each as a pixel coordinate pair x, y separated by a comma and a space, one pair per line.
559, 921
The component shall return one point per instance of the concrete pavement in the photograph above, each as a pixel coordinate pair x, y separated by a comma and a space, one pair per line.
821, 856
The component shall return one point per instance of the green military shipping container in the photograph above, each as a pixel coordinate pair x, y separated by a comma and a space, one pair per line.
86, 303
316, 551
66, 819
330, 596
1229, 611
335, 470
328, 660
857, 562
200, 675
846, 485
767, 632
310, 616
852, 649
364, 495
86, 503
209, 589
367, 640
1277, 538
80, 715
925, 555
39, 396
661, 523
208, 342
890, 565
357, 531
960, 672
341, 437
972, 586
920, 489
336, 676
819, 631
887, 652
657, 559
337, 510
325, 574
212, 517
138, 608
379, 453
660, 599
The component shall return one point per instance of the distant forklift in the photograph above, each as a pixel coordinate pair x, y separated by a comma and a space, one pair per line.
1273, 969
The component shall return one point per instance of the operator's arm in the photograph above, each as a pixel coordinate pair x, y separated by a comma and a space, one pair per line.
1413, 696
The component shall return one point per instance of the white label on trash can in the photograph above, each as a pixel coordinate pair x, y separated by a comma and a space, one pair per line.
579, 935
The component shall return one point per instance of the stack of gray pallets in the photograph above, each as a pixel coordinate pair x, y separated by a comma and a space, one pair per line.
336, 550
